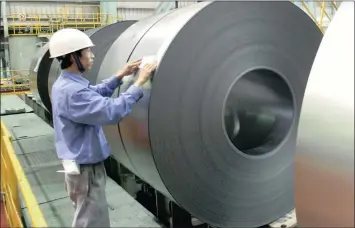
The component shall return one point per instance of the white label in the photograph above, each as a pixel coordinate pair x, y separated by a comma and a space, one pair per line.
147, 60
70, 167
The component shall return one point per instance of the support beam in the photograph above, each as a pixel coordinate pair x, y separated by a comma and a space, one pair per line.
4, 19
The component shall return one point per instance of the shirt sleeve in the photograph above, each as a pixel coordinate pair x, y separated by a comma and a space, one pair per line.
88, 107
107, 87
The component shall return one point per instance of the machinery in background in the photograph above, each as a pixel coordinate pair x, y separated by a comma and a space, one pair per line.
80, 16
14, 81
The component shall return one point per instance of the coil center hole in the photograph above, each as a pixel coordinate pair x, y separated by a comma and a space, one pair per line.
259, 111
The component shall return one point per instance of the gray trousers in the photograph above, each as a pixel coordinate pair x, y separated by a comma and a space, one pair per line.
87, 191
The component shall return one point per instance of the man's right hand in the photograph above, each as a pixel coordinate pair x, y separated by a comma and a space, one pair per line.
145, 73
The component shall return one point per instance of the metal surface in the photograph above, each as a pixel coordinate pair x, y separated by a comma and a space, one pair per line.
39, 71
134, 129
176, 139
223, 65
324, 166
149, 36
35, 71
103, 39
54, 72
120, 52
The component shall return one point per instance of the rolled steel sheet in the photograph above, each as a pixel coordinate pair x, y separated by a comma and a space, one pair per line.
216, 128
116, 57
49, 69
34, 73
122, 51
324, 165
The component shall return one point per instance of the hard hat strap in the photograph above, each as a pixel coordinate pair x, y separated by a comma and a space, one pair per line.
78, 63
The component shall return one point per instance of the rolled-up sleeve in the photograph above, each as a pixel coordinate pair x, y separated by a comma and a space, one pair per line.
88, 107
107, 87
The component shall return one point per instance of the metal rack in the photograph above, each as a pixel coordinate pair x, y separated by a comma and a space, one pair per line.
14, 81
321, 12
45, 24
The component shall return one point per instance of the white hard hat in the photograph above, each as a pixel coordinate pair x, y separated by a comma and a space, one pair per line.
68, 40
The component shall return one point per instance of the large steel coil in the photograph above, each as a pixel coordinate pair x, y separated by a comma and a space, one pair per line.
216, 129
324, 166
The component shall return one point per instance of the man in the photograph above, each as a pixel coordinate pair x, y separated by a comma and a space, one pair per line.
79, 109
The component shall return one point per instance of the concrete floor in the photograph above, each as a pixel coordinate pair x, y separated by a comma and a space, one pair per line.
33, 141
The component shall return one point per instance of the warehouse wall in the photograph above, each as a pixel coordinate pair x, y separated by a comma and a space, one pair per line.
185, 3
22, 50
139, 10
134, 13
44, 8
170, 5
135, 10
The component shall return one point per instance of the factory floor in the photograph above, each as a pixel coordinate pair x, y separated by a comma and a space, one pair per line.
33, 144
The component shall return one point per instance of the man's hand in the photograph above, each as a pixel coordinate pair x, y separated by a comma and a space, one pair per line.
128, 69
145, 73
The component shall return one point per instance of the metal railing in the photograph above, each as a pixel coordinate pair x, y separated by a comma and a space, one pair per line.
323, 11
49, 23
14, 182
14, 81
83, 17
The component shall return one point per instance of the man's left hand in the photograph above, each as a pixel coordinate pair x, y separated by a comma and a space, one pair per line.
129, 68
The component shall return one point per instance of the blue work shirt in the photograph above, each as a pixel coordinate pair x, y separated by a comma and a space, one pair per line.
80, 109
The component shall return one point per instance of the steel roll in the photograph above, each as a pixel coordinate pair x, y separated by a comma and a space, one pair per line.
324, 165
34, 73
44, 71
216, 129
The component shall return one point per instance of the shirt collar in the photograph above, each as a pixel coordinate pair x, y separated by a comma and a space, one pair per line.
75, 77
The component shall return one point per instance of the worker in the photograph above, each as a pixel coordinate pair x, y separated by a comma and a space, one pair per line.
79, 110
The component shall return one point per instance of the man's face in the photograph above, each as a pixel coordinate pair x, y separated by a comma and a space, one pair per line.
87, 59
